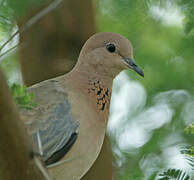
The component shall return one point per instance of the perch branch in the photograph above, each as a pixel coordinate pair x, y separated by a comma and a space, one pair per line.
17, 157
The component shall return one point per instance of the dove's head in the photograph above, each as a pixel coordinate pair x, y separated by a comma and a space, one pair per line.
108, 54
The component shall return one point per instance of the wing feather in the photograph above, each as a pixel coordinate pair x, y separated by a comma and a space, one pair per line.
51, 124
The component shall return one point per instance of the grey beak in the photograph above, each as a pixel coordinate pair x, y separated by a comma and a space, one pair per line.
134, 66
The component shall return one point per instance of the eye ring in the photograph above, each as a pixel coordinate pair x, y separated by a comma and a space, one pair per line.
111, 47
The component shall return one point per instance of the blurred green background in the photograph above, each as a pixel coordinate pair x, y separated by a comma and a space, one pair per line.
154, 138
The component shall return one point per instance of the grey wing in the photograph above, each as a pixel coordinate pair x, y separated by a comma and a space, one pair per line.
53, 128
58, 136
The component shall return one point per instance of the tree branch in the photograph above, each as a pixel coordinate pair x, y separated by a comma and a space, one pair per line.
17, 158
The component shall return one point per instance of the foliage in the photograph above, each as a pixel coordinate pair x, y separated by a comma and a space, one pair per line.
173, 174
190, 129
11, 10
11, 68
24, 99
6, 17
164, 48
187, 8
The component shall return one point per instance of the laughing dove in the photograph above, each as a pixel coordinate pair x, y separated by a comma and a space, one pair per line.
68, 125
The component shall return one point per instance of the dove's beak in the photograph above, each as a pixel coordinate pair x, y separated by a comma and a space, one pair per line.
131, 64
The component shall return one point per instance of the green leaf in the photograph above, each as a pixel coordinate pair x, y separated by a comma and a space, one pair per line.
190, 129
24, 99
174, 174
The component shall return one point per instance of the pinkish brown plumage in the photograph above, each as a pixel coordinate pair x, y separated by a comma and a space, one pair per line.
78, 102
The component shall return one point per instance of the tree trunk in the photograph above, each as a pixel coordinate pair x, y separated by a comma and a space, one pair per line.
16, 149
51, 46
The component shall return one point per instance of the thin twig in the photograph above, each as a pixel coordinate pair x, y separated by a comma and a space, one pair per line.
41, 168
39, 15
33, 20
3, 17
9, 50
12, 36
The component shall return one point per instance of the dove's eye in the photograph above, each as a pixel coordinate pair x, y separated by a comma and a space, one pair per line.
111, 47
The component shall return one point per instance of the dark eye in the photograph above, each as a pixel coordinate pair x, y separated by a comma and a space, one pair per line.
111, 47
